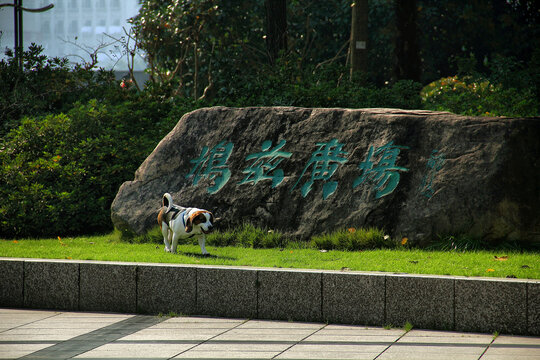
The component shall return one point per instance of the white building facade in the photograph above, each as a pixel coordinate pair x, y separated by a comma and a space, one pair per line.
74, 29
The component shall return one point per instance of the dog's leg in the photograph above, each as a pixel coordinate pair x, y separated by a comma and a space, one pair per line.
165, 233
174, 242
202, 241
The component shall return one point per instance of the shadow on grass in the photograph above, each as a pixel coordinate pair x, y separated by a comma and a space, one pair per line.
208, 256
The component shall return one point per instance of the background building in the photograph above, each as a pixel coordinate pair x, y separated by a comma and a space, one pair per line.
74, 29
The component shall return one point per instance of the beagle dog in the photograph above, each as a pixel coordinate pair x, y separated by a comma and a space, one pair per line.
177, 222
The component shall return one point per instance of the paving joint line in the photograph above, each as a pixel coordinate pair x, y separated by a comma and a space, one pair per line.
487, 347
32, 322
300, 341
209, 339
389, 346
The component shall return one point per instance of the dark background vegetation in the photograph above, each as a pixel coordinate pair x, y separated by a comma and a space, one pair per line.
69, 135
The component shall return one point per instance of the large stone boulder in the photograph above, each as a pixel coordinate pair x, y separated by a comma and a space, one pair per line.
303, 171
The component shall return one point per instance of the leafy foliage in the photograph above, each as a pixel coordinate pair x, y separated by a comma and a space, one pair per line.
484, 30
60, 172
462, 243
47, 85
189, 44
248, 236
287, 85
353, 240
479, 97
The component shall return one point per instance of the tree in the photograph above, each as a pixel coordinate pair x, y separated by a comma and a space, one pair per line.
359, 36
406, 47
276, 28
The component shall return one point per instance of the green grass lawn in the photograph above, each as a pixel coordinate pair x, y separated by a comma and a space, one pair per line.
475, 263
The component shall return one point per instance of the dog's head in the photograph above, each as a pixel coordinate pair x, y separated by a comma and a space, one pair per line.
200, 219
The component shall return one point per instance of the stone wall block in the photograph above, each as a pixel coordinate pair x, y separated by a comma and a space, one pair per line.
491, 305
165, 289
290, 295
227, 292
350, 298
11, 283
51, 285
108, 287
425, 302
533, 308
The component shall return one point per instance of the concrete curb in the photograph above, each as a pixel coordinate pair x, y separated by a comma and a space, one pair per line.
509, 306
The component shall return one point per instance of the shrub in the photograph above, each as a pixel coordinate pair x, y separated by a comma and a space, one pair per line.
249, 236
61, 172
48, 85
353, 240
479, 97
464, 242
329, 86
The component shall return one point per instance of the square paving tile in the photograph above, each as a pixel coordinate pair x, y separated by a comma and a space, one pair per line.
14, 351
186, 335
195, 354
514, 347
287, 336
445, 337
427, 356
135, 351
356, 355
243, 346
434, 351
269, 324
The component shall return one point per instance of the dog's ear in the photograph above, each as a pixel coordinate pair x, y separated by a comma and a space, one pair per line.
189, 225
211, 217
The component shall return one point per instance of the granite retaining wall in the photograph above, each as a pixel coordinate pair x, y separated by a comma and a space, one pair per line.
510, 306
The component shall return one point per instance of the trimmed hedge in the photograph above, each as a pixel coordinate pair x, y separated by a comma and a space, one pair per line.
61, 172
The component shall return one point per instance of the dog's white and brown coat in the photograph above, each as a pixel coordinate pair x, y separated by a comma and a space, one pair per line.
177, 222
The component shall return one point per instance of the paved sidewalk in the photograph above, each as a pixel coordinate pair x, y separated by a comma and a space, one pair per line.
35, 334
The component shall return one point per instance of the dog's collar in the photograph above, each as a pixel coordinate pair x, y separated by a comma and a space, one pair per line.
184, 218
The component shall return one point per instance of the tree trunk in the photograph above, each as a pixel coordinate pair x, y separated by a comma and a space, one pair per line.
407, 52
276, 28
359, 36
195, 70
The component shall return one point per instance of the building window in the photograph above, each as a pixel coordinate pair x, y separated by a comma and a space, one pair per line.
73, 27
45, 28
59, 28
87, 28
115, 28
102, 27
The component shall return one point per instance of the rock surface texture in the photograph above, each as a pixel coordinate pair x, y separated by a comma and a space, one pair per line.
302, 171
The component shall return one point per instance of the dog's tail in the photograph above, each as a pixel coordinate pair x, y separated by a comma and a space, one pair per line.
167, 202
